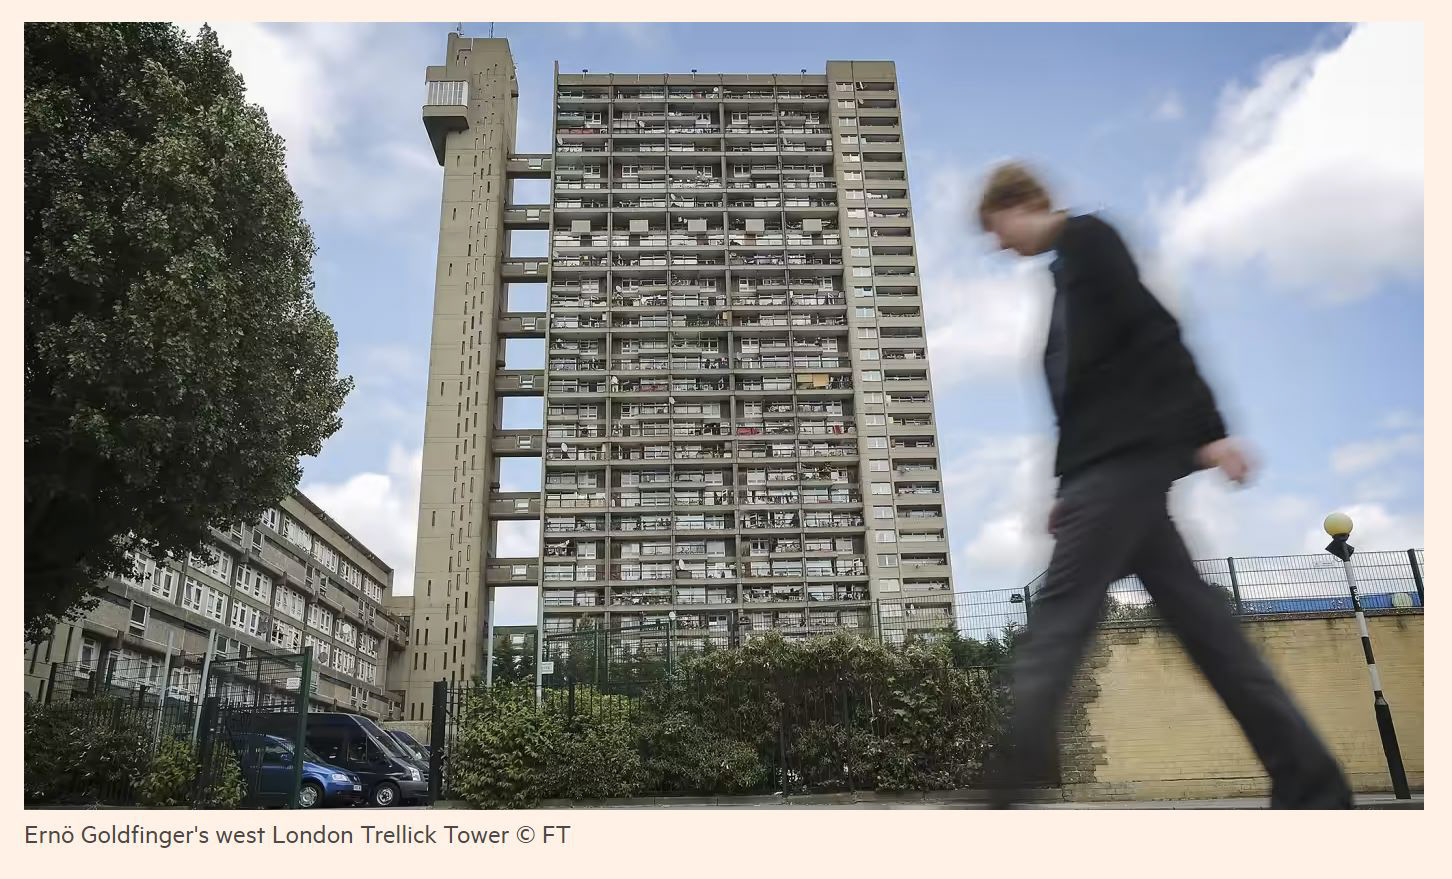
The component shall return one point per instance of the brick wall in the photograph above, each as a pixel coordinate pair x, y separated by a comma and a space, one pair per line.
1143, 724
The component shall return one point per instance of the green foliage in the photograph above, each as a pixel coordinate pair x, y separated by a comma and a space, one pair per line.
840, 710
500, 756
596, 757
89, 751
176, 364
171, 778
681, 755
226, 787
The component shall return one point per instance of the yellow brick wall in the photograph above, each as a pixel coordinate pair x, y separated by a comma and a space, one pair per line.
1143, 723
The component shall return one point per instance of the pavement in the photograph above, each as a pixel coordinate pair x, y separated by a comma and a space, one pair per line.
976, 801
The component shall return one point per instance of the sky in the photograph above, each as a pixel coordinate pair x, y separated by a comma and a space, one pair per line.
1269, 179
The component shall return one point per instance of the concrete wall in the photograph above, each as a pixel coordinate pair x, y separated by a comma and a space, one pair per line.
1143, 724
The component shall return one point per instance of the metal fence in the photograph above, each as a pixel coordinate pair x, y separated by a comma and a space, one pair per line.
99, 733
1253, 587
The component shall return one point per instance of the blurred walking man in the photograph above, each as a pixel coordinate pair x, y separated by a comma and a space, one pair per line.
1134, 415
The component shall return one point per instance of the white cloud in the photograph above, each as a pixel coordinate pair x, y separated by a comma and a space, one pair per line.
984, 315
1170, 108
1361, 456
1314, 174
1376, 528
345, 99
381, 510
999, 489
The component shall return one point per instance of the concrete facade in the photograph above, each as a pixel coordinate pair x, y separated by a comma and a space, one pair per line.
295, 579
739, 430
1142, 723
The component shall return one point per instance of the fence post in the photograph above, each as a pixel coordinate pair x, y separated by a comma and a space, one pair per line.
437, 739
1235, 586
141, 696
570, 710
304, 687
207, 723
1026, 612
1417, 577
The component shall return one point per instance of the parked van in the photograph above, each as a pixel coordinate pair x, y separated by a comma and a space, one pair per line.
267, 768
358, 745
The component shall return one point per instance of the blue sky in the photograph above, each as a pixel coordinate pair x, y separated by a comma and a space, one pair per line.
1269, 177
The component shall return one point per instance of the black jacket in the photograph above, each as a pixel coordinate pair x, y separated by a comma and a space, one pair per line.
1121, 379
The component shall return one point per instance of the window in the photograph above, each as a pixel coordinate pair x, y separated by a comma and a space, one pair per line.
867, 332
214, 604
872, 397
853, 195
862, 292
286, 636
869, 353
90, 652
320, 618
367, 672
875, 420
872, 375
327, 555
861, 271
857, 231
271, 518
140, 613
861, 253
887, 561
220, 569
867, 312
347, 633
844, 86
881, 488
254, 583
192, 594
888, 584
851, 157
295, 533
882, 512
885, 536
291, 603
878, 466
246, 618
877, 442
846, 121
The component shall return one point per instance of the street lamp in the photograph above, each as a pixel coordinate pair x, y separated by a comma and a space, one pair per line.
1338, 525
670, 645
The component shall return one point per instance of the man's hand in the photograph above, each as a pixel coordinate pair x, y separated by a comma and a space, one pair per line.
1227, 456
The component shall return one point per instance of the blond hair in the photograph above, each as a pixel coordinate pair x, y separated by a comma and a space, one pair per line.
1009, 185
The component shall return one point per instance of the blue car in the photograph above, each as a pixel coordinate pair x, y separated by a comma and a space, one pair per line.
268, 770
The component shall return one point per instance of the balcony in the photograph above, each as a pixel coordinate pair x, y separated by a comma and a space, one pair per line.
446, 110
511, 572
523, 269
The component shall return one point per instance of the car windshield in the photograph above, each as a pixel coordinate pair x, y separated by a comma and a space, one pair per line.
383, 740
407, 745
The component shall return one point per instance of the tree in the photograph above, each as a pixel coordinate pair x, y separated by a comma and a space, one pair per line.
176, 365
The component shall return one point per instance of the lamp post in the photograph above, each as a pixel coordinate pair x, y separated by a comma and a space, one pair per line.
1338, 525
670, 644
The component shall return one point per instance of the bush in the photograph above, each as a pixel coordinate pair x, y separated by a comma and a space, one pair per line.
172, 776
226, 787
596, 758
681, 755
848, 710
501, 751
88, 751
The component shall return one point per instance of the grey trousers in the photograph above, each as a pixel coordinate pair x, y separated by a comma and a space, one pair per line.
1114, 521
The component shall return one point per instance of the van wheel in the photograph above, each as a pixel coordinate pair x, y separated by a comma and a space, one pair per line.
385, 794
310, 795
